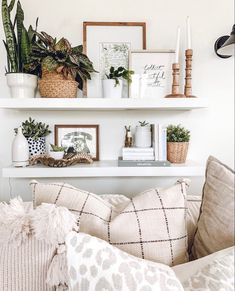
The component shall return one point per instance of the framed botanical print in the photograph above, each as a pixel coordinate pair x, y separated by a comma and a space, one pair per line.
79, 138
153, 73
108, 44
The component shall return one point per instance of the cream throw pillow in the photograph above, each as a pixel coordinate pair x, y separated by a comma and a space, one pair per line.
95, 265
215, 230
151, 225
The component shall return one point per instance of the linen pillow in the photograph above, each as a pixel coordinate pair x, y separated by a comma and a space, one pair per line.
151, 225
93, 264
32, 246
215, 229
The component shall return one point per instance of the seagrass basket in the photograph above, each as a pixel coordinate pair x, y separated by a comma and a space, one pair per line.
177, 152
54, 85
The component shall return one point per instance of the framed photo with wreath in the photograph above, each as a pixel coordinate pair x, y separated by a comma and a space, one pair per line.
108, 44
79, 138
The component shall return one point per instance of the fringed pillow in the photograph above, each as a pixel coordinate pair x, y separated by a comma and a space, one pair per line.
32, 250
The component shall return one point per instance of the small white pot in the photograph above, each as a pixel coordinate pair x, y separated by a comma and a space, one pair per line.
143, 137
57, 155
112, 91
22, 85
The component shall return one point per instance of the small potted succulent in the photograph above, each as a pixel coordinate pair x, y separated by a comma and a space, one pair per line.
63, 68
35, 133
57, 152
21, 71
113, 85
178, 139
143, 135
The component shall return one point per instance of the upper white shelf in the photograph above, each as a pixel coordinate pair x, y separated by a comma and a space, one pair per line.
102, 104
105, 169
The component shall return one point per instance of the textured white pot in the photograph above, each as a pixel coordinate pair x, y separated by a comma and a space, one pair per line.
20, 150
22, 85
112, 91
57, 155
143, 137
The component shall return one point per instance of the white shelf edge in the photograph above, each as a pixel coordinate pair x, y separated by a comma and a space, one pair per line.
102, 104
105, 169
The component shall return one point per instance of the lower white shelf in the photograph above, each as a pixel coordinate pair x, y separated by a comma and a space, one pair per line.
105, 169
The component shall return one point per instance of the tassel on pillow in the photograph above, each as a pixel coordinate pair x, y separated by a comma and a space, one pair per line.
14, 222
52, 224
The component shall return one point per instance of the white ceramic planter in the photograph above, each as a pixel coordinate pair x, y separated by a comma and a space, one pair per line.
22, 85
112, 91
143, 137
20, 150
57, 155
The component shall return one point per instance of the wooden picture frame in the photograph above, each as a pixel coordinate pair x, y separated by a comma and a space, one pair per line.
134, 35
88, 145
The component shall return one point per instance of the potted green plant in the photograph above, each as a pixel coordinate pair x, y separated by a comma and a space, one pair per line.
57, 152
113, 85
62, 67
143, 135
178, 139
35, 133
21, 71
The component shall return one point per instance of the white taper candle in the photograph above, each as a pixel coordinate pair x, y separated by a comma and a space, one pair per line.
177, 49
189, 43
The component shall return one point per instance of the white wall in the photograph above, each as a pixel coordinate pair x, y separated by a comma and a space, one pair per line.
213, 78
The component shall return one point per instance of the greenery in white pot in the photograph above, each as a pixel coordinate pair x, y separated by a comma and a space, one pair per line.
178, 138
113, 85
57, 152
21, 71
35, 133
143, 135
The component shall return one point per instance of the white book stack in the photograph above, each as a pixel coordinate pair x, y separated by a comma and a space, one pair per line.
138, 154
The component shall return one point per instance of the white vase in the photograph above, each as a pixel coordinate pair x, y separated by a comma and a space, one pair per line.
112, 91
22, 85
20, 150
143, 137
57, 155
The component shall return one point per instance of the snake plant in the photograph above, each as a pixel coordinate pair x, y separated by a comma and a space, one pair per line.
18, 42
61, 57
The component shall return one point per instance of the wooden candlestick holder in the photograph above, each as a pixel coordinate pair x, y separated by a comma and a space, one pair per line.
188, 74
176, 82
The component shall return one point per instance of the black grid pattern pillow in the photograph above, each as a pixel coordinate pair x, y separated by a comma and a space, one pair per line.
151, 226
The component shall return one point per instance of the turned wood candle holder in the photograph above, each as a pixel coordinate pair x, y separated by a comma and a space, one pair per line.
175, 84
188, 74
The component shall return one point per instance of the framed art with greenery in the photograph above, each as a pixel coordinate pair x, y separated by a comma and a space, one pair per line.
79, 139
108, 45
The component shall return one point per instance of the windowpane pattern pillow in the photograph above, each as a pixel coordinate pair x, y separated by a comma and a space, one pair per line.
151, 225
215, 229
93, 264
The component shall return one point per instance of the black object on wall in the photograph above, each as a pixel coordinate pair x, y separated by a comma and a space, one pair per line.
225, 45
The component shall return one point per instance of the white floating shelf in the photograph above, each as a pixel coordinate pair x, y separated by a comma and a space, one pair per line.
105, 169
103, 104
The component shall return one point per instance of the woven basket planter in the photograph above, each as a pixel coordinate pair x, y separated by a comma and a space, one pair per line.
54, 85
177, 152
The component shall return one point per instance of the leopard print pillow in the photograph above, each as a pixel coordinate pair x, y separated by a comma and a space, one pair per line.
95, 265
